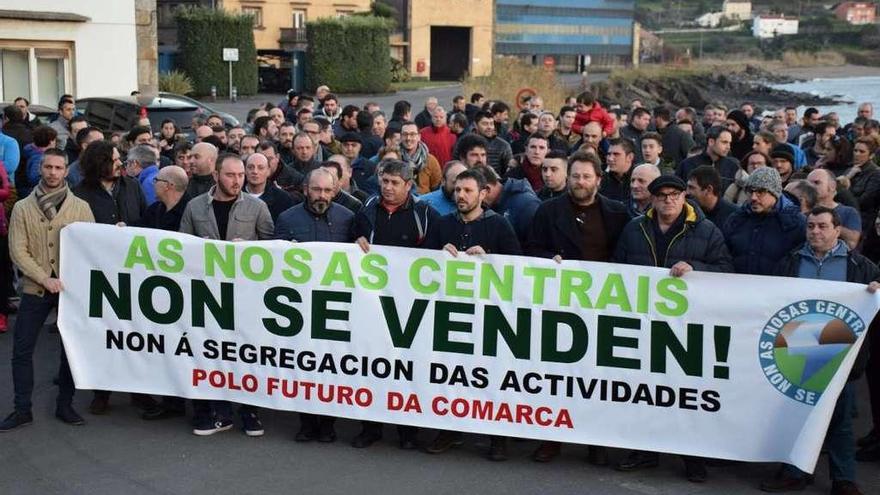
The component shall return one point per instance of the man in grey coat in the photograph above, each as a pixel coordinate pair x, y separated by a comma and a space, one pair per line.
225, 213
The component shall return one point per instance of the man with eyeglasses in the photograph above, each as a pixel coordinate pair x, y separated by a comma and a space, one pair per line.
766, 227
673, 234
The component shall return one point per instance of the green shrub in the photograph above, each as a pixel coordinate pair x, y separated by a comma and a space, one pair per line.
349, 54
202, 35
175, 82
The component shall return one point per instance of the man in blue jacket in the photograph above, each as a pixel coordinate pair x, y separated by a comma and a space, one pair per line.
765, 228
513, 198
825, 256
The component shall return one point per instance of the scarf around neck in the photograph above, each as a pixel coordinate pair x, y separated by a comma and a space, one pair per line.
419, 158
49, 202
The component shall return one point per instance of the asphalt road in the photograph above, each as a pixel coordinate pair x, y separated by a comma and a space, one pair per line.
121, 454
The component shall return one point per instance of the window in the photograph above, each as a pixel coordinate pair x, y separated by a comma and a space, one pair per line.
14, 66
299, 19
257, 13
343, 13
40, 73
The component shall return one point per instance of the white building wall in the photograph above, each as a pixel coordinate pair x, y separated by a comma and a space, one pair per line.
763, 27
104, 50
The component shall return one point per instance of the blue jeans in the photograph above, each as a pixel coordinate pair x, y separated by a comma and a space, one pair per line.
32, 314
839, 440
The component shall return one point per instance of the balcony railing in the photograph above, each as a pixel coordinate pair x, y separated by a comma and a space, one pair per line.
293, 35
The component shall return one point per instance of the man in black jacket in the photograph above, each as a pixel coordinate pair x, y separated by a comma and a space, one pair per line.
563, 227
258, 185
672, 234
826, 257
393, 218
472, 229
583, 225
115, 199
717, 148
165, 214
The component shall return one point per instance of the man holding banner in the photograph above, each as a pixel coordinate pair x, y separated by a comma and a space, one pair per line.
473, 231
672, 234
318, 219
226, 213
34, 245
393, 218
826, 257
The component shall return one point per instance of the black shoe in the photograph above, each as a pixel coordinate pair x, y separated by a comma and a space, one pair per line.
871, 453
366, 438
597, 456
638, 459
870, 439
445, 440
844, 488
547, 451
144, 402
407, 443
100, 404
305, 435
16, 420
326, 432
161, 412
784, 481
695, 470
69, 416
498, 449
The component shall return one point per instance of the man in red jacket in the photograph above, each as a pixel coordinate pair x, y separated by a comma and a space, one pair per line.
589, 110
438, 137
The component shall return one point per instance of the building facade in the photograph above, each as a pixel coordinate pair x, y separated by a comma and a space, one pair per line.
444, 39
764, 26
50, 48
737, 9
566, 33
856, 13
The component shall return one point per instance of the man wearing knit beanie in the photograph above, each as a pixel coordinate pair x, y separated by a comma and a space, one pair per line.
738, 125
782, 160
766, 228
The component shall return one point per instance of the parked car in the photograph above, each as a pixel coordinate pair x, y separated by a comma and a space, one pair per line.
44, 114
119, 114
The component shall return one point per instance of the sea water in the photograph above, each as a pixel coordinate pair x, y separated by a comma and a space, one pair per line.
850, 90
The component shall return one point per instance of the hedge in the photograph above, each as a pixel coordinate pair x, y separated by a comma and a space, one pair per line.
349, 54
202, 34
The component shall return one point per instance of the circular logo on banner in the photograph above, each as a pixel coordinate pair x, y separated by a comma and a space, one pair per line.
803, 344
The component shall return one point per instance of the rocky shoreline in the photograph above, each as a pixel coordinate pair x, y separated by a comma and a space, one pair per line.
699, 87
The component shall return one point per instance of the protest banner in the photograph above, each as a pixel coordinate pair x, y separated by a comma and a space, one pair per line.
713, 365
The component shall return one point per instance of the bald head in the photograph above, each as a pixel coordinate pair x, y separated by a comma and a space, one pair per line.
174, 176
203, 131
204, 156
257, 159
642, 175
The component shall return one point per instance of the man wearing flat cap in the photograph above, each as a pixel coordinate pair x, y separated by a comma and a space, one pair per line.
766, 227
672, 234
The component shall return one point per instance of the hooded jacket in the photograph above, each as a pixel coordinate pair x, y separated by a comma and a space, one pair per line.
758, 241
698, 243
865, 185
518, 204
595, 114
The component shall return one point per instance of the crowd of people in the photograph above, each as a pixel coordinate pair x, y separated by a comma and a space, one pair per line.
727, 190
